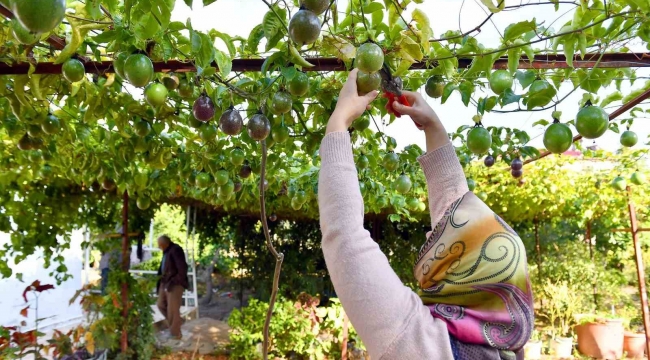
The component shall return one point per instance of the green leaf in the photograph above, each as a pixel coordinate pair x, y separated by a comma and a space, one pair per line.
500, 5
289, 72
525, 78
449, 88
226, 40
208, 2
582, 44
373, 7
530, 53
188, 3
530, 151
513, 59
490, 103
522, 136
514, 31
614, 127
223, 62
569, 51
339, 47
254, 38
271, 25
92, 8
509, 97
615, 96
466, 89
542, 122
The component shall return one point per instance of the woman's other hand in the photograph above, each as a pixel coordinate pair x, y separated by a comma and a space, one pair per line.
350, 105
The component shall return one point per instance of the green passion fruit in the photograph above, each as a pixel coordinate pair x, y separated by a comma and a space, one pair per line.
434, 87
208, 133
592, 122
403, 184
138, 70
231, 123
500, 81
363, 162
118, 64
299, 85
367, 82
482, 195
280, 134
259, 127
237, 156
155, 94
295, 204
23, 35
142, 128
51, 125
203, 180
73, 70
479, 140
629, 138
221, 177
39, 16
304, 27
391, 161
185, 89
171, 82
638, 178
361, 124
143, 203
558, 138
317, 6
471, 184
619, 183
370, 58
281, 103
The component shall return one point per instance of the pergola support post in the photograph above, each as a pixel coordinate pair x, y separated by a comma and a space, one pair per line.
125, 267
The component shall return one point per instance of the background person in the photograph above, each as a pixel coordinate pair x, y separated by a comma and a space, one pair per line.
171, 284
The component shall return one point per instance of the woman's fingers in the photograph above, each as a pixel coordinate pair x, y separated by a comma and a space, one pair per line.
406, 110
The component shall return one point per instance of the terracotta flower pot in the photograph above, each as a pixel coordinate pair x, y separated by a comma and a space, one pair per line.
562, 347
634, 345
601, 340
533, 350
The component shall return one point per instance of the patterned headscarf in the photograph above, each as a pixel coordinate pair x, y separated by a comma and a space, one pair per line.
473, 275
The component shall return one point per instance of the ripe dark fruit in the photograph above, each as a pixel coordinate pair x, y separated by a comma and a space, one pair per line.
619, 183
51, 125
108, 185
517, 164
471, 184
143, 203
638, 178
237, 156
142, 128
23, 35
489, 161
434, 87
516, 173
171, 82
39, 16
73, 70
203, 180
208, 133
273, 217
479, 140
391, 161
155, 94
185, 89
231, 123
403, 184
138, 70
258, 127
281, 102
558, 138
299, 85
592, 122
245, 171
304, 27
370, 58
25, 143
280, 134
317, 6
118, 64
203, 108
500, 81
238, 186
367, 82
629, 138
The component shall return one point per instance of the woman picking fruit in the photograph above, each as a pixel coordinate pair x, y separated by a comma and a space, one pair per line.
475, 299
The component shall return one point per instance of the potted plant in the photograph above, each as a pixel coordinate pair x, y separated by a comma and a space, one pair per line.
634, 339
533, 349
600, 337
560, 303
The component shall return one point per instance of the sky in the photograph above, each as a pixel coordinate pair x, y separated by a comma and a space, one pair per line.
238, 17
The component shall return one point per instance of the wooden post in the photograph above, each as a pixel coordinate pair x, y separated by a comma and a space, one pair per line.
344, 345
125, 267
591, 257
538, 249
638, 255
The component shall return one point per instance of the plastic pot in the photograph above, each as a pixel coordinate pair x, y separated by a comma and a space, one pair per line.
634, 345
601, 340
562, 347
533, 350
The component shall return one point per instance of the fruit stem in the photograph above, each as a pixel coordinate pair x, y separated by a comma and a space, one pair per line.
279, 257
556, 121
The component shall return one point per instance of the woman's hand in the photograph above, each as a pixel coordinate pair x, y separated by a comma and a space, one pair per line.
350, 105
426, 119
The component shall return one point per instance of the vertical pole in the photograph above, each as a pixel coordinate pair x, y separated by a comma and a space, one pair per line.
344, 345
86, 278
125, 267
638, 255
591, 257
538, 249
151, 234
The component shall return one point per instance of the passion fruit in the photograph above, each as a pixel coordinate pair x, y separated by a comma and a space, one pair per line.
171, 82
629, 138
638, 178
143, 203
203, 180
118, 64
138, 70
299, 85
51, 125
142, 128
479, 140
108, 184
281, 103
23, 35
208, 133
500, 81
185, 89
592, 122
73, 70
245, 171
39, 16
367, 82
361, 124
391, 161
363, 162
258, 127
517, 164
516, 173
558, 138
280, 134
434, 87
155, 94
230, 122
619, 183
203, 108
489, 161
304, 27
471, 184
370, 57
403, 184
317, 6
237, 156
221, 177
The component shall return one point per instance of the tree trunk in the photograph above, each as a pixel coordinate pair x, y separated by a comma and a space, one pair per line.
208, 279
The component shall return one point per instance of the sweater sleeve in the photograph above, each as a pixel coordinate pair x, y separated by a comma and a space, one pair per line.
389, 317
446, 181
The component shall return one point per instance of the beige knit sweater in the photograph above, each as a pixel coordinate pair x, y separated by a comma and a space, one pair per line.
389, 317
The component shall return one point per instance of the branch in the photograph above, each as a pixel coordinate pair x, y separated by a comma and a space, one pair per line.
90, 20
278, 256
478, 28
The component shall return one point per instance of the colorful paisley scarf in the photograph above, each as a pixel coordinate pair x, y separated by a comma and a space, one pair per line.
473, 275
